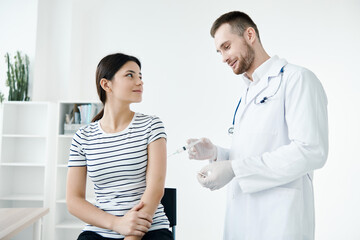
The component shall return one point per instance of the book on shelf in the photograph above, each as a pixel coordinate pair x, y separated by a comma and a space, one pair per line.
79, 115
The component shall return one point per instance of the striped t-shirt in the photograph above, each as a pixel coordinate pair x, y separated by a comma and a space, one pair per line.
116, 164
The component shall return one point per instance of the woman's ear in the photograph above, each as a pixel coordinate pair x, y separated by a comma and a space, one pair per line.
105, 84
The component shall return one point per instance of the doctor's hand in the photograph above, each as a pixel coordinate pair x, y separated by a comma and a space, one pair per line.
216, 175
202, 150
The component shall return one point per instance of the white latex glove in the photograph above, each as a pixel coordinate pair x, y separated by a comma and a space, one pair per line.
202, 150
216, 175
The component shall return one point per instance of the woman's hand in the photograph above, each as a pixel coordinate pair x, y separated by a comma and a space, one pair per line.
132, 238
133, 223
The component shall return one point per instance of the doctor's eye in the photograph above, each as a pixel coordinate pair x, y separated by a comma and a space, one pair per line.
227, 47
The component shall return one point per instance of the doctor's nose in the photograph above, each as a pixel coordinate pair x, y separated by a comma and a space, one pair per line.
225, 58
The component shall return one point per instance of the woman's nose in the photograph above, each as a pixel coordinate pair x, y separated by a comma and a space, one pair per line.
139, 82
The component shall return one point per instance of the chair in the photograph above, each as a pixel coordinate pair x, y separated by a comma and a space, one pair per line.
169, 203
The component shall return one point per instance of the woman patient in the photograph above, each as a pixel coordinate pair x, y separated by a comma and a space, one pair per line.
124, 154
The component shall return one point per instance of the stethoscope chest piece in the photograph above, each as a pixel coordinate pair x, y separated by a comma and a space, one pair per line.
231, 130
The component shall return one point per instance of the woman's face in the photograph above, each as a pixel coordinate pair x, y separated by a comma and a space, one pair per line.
127, 84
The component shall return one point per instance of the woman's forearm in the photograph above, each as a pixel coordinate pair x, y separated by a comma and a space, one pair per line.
88, 213
151, 198
134, 222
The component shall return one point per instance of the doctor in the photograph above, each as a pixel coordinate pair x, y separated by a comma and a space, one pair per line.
280, 136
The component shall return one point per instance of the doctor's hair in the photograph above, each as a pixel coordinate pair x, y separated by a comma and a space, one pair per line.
238, 21
107, 68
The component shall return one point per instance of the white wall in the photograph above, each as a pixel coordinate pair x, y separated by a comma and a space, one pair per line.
195, 94
18, 20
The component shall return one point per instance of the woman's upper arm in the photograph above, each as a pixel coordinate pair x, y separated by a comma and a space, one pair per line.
76, 182
156, 168
77, 170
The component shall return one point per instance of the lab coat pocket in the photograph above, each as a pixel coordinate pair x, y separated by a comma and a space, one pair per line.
280, 213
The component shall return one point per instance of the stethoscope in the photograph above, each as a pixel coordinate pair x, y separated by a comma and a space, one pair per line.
262, 101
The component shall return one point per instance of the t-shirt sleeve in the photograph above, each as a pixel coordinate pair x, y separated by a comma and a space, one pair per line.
77, 156
157, 130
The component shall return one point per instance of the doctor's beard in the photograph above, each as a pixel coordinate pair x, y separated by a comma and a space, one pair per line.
245, 62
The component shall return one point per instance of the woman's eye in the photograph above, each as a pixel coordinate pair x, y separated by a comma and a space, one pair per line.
129, 75
227, 47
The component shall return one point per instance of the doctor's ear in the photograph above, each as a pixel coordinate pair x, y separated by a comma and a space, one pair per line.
250, 35
105, 84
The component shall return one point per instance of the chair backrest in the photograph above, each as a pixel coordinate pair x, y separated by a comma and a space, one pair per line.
169, 203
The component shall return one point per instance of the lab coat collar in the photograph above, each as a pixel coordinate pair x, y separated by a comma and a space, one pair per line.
270, 68
276, 67
263, 69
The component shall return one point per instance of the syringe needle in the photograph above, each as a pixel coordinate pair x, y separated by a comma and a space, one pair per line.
171, 154
184, 148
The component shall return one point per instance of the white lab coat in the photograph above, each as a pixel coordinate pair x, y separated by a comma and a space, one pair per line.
275, 148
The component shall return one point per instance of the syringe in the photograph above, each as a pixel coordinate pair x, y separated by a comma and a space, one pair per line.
204, 174
184, 148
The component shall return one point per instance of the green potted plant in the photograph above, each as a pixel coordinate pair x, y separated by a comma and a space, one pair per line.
18, 77
2, 97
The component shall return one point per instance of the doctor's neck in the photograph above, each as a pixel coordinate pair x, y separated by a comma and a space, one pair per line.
260, 57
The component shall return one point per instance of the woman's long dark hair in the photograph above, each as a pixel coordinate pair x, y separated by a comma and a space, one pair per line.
107, 68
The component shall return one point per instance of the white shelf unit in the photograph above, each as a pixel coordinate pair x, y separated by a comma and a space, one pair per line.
25, 154
65, 225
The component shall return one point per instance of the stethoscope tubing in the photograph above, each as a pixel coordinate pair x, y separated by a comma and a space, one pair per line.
231, 129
